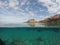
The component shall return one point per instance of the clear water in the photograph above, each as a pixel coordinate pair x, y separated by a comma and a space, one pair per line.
30, 36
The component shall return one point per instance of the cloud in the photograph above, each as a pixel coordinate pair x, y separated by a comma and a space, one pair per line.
15, 17
13, 4
23, 2
31, 13
11, 19
52, 5
0, 3
58, 12
3, 4
9, 4
43, 17
18, 18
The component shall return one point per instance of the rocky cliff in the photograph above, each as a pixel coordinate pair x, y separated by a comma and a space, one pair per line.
53, 19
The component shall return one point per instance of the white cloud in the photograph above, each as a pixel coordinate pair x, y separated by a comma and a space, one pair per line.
52, 5
13, 4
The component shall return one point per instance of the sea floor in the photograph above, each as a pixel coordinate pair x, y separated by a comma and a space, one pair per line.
30, 36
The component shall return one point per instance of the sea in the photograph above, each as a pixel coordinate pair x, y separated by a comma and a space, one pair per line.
29, 34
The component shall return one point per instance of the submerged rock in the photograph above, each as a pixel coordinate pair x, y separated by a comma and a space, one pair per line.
56, 30
18, 42
2, 42
39, 30
39, 39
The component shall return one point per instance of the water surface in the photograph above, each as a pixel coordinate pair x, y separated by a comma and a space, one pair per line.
29, 25
30, 36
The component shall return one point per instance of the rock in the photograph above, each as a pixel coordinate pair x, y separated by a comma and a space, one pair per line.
2, 42
39, 39
18, 42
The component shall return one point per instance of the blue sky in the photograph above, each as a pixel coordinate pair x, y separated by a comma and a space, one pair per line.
16, 11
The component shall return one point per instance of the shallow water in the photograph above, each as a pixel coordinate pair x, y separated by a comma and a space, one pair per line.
30, 36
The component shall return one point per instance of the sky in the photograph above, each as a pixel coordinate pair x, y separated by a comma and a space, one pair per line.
16, 11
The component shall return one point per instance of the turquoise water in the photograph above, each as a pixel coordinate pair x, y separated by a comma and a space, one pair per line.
30, 36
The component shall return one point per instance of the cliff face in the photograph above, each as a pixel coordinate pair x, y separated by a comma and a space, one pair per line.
53, 19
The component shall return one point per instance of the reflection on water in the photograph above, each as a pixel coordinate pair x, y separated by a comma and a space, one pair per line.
52, 25
30, 25
43, 25
36, 24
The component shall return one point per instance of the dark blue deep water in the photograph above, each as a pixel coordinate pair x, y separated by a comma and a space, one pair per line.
30, 36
